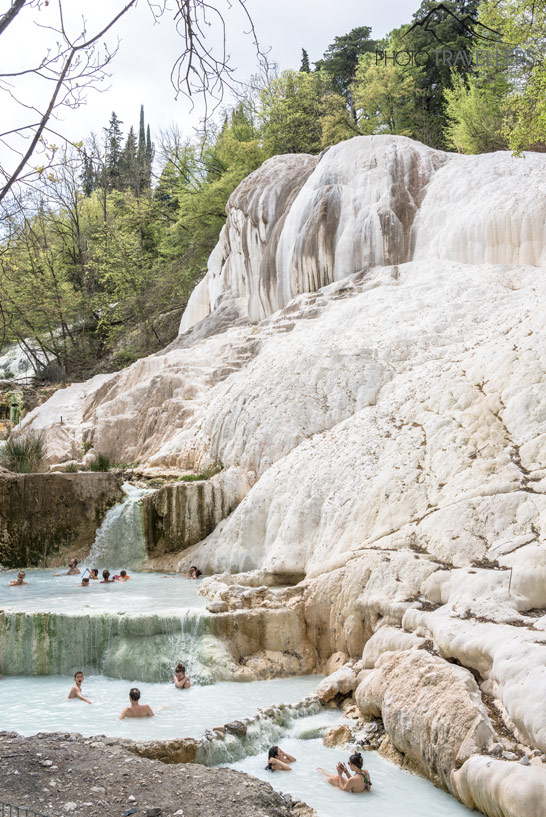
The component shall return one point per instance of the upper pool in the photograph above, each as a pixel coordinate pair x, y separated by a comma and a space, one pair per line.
143, 593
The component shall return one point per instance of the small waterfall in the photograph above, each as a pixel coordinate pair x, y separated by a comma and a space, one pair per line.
143, 647
261, 731
119, 542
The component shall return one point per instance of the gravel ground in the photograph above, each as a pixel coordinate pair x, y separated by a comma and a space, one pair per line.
62, 774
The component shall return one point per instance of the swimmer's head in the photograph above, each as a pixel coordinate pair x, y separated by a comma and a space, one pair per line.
180, 669
273, 752
95, 572
122, 573
78, 676
356, 760
21, 574
106, 575
134, 694
85, 581
73, 563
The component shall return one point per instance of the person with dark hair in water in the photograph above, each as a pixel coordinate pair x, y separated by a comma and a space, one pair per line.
181, 680
73, 569
193, 572
94, 574
84, 582
278, 760
360, 781
136, 709
20, 580
106, 577
76, 691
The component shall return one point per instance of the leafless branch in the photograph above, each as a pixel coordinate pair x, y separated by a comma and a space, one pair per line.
81, 62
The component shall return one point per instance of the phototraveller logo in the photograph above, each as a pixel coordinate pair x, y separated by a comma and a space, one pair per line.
484, 48
465, 26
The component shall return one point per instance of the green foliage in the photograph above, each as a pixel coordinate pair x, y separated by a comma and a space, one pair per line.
385, 97
71, 468
475, 114
522, 24
297, 109
341, 58
432, 80
100, 463
305, 67
198, 477
24, 455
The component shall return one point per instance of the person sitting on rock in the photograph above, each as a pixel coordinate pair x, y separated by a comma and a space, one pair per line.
278, 760
76, 691
20, 580
106, 577
181, 680
136, 709
73, 569
359, 783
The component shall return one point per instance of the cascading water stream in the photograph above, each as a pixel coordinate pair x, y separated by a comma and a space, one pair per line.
120, 542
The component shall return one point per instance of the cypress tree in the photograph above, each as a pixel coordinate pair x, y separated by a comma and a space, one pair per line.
150, 150
305, 66
128, 163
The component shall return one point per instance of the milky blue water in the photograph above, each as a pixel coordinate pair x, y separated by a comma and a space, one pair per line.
394, 793
39, 704
143, 593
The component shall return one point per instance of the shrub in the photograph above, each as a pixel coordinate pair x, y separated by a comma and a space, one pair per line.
24, 455
71, 468
205, 475
100, 463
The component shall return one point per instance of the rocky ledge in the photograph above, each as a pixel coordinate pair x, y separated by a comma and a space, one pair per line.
65, 774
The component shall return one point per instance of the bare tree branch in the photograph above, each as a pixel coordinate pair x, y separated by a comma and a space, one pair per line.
77, 63
11, 14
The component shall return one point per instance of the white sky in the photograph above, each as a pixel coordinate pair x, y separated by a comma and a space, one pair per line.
141, 70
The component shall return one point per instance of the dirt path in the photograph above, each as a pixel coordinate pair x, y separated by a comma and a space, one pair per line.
61, 774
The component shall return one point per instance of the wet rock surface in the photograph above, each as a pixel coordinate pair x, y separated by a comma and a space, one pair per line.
67, 774
44, 516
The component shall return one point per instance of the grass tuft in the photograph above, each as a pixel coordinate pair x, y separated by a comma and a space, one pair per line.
100, 463
24, 455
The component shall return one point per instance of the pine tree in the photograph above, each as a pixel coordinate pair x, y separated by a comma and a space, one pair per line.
114, 148
305, 67
88, 175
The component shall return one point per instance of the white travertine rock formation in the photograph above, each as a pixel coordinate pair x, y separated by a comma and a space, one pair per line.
501, 789
299, 222
367, 353
432, 710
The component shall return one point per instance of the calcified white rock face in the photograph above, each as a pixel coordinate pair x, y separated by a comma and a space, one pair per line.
300, 222
367, 353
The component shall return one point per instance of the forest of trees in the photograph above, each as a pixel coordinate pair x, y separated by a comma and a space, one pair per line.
98, 265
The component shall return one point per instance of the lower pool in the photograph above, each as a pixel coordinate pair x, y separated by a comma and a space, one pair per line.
39, 704
394, 793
